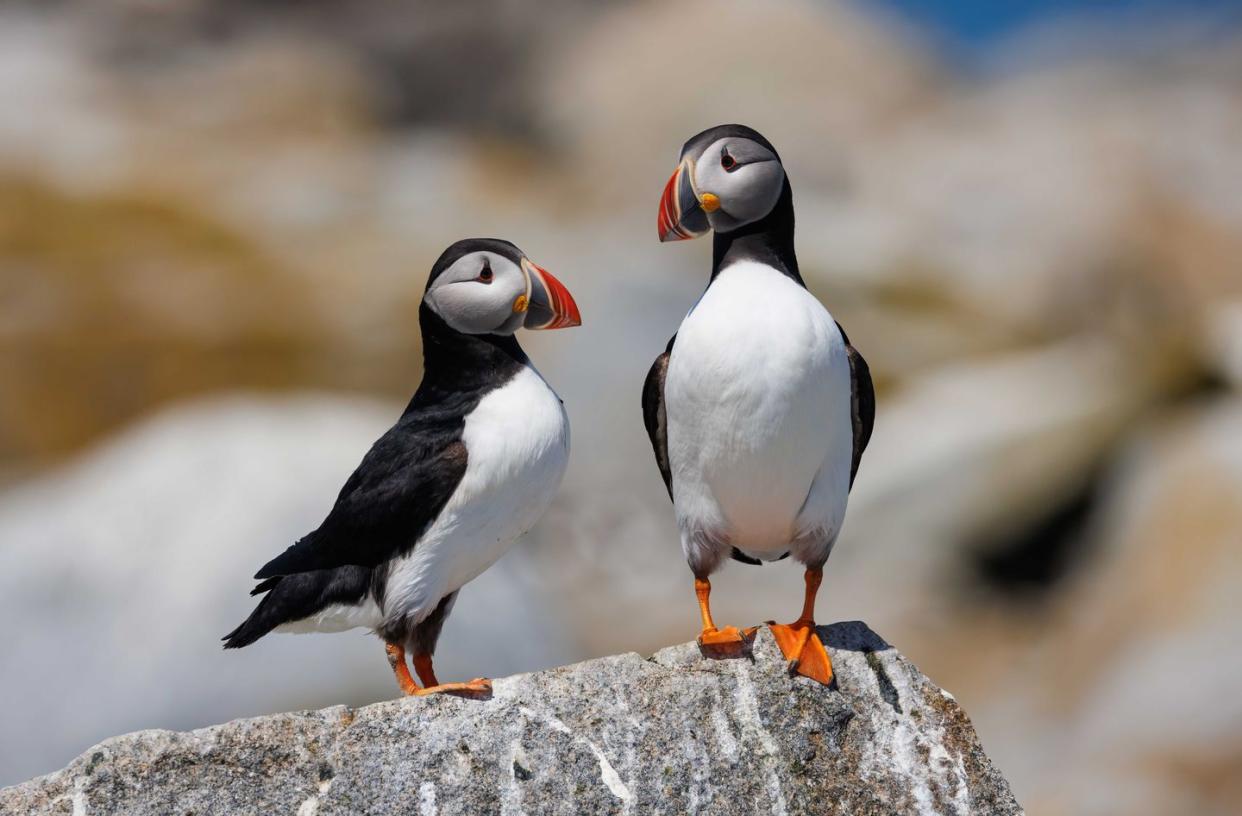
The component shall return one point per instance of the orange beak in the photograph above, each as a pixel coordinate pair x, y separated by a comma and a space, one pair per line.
550, 306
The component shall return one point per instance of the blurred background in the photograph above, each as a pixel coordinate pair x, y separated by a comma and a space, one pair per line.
216, 221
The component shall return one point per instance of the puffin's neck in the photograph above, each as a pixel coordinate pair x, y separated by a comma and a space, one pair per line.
770, 241
457, 362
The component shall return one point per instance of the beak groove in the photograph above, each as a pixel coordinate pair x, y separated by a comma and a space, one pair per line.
550, 306
681, 216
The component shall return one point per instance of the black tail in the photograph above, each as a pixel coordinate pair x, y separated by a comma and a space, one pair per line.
293, 597
265, 585
738, 555
260, 622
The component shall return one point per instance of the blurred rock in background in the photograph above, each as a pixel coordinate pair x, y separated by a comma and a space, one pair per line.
216, 220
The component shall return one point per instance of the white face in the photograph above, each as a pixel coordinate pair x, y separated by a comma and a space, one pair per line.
481, 293
745, 177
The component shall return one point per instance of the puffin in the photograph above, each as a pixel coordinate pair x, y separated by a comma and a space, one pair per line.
470, 466
759, 409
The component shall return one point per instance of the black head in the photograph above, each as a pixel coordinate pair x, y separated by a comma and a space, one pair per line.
727, 177
697, 143
489, 286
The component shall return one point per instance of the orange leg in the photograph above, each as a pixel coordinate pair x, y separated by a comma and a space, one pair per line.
422, 664
396, 659
798, 640
478, 687
726, 642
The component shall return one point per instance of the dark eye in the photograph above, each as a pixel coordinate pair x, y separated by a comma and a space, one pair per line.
727, 161
485, 274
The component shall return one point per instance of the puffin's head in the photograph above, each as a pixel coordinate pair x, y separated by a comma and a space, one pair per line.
488, 286
729, 176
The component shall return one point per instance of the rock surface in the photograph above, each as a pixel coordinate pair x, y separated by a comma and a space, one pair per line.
676, 733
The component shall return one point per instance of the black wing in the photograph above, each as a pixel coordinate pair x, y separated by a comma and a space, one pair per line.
654, 416
862, 402
400, 487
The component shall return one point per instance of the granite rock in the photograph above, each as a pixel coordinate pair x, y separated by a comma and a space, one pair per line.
675, 733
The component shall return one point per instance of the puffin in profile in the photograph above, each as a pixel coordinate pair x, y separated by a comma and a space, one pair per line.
759, 409
469, 467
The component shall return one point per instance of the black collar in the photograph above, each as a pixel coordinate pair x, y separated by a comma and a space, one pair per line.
769, 241
454, 362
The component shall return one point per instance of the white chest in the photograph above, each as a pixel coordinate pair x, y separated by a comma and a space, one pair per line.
758, 400
517, 447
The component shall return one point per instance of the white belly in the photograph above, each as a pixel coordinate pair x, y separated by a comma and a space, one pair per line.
517, 447
337, 618
758, 404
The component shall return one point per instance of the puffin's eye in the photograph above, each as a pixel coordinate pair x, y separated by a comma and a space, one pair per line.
727, 161
485, 274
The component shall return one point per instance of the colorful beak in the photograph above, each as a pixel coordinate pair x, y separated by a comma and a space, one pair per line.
549, 304
681, 215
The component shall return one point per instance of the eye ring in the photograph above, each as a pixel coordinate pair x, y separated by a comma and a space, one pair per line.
485, 274
726, 161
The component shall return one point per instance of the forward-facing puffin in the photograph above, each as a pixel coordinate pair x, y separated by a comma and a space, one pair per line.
759, 409
469, 467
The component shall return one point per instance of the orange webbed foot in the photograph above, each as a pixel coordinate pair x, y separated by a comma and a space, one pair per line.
804, 650
725, 642
478, 688
715, 642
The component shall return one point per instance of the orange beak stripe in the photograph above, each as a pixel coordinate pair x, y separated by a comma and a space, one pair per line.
681, 214
551, 306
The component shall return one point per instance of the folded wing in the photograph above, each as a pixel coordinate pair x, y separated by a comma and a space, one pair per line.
397, 491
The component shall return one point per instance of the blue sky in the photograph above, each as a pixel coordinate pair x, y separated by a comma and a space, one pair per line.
971, 26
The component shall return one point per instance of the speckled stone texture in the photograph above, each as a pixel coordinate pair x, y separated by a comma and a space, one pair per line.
674, 734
